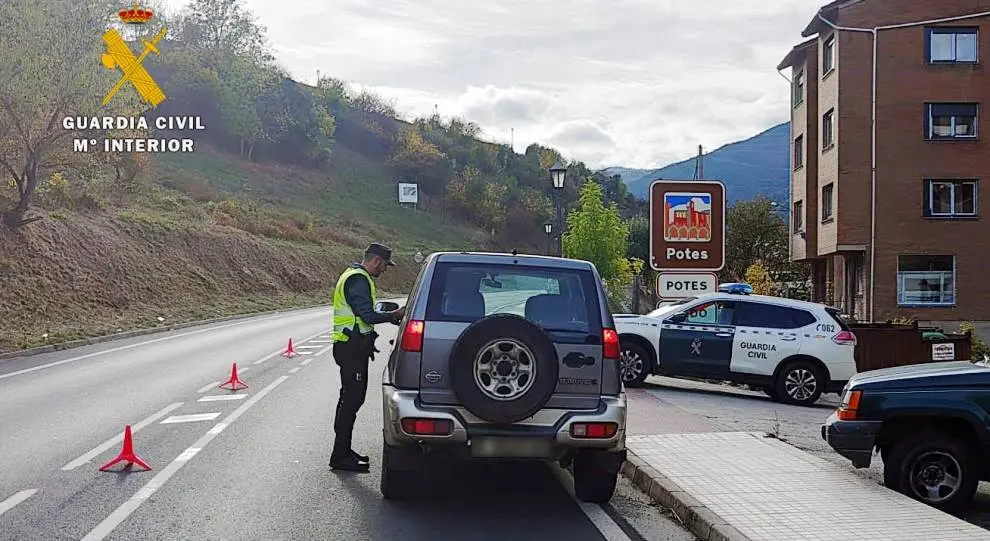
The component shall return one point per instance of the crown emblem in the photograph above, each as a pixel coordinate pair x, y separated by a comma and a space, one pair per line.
135, 15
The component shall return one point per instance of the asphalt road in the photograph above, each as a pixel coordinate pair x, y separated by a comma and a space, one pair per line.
736, 409
251, 467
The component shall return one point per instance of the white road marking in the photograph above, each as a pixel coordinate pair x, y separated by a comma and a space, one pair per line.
120, 514
242, 370
307, 361
309, 347
324, 350
215, 397
281, 351
120, 437
209, 386
609, 529
132, 346
191, 418
12, 501
294, 370
319, 341
304, 353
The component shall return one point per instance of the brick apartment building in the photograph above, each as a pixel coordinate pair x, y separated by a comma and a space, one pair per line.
928, 243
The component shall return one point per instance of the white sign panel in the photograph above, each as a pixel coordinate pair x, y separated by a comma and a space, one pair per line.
943, 352
680, 285
408, 193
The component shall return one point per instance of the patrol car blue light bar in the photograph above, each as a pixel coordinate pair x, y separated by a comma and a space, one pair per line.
736, 289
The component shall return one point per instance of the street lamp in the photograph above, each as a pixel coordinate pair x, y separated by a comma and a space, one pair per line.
557, 174
548, 227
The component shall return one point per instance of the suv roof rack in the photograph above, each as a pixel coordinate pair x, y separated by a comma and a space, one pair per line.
736, 288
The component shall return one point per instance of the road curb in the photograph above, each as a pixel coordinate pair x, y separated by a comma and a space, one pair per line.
72, 344
693, 514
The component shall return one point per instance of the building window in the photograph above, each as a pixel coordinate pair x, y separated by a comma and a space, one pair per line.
799, 152
950, 120
828, 129
798, 88
827, 201
926, 280
952, 44
828, 55
798, 213
950, 198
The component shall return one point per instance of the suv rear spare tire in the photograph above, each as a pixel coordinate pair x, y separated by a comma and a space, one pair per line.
503, 368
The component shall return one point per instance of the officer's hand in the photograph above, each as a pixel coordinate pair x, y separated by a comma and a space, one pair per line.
399, 313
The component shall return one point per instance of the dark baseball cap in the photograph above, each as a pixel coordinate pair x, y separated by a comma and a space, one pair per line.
381, 251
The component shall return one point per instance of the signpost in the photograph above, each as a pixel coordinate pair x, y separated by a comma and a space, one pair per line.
687, 236
679, 285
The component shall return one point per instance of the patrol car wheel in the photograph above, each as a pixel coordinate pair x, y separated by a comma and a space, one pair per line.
503, 368
634, 365
799, 383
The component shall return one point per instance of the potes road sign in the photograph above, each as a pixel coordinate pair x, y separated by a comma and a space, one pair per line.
680, 285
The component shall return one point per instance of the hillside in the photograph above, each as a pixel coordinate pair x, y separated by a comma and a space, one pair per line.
287, 184
205, 235
758, 165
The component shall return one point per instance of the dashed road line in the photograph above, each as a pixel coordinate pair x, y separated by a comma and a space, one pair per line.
120, 437
245, 369
320, 341
120, 514
132, 346
12, 501
195, 417
216, 397
294, 370
307, 361
281, 351
209, 386
309, 347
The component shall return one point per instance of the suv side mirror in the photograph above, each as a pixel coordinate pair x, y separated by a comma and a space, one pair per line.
678, 318
386, 306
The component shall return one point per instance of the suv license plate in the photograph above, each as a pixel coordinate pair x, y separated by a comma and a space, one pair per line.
506, 447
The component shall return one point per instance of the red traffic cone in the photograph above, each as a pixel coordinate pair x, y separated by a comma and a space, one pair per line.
289, 351
234, 381
127, 453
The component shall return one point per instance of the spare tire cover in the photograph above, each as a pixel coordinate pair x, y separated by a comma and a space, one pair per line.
507, 348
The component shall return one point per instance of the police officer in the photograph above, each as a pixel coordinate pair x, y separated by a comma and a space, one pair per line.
354, 318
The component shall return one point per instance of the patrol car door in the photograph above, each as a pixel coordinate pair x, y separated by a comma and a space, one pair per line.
765, 335
698, 341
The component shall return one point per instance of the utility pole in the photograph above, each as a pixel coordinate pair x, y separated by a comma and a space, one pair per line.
512, 139
699, 165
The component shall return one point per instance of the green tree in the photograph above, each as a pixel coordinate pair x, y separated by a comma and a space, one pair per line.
48, 72
596, 233
638, 245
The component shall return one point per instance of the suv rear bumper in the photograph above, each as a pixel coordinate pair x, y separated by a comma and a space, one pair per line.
546, 435
854, 440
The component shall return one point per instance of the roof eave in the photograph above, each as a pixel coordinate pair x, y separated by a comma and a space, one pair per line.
829, 12
796, 54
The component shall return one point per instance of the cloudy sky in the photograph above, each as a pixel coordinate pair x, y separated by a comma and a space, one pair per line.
637, 83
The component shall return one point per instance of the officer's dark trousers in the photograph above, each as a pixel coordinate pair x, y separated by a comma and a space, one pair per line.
353, 388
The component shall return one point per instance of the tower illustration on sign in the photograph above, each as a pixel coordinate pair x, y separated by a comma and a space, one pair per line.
687, 217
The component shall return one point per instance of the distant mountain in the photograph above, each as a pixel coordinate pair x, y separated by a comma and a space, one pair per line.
758, 165
628, 174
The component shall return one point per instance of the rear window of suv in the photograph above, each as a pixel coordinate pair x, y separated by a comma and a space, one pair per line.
556, 299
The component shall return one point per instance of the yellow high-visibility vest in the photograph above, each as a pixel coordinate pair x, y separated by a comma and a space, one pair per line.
343, 316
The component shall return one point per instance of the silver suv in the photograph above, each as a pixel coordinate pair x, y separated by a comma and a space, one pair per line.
504, 356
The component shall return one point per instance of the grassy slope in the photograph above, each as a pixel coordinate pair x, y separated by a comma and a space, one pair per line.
161, 252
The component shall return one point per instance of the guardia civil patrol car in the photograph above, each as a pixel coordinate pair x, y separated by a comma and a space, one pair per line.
793, 350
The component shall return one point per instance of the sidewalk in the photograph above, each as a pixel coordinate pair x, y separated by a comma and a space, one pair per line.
745, 486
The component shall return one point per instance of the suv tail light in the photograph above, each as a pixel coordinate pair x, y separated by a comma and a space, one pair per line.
849, 406
412, 336
844, 338
594, 430
610, 344
427, 427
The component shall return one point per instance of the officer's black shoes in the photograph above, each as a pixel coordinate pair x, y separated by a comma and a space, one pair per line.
360, 458
349, 463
